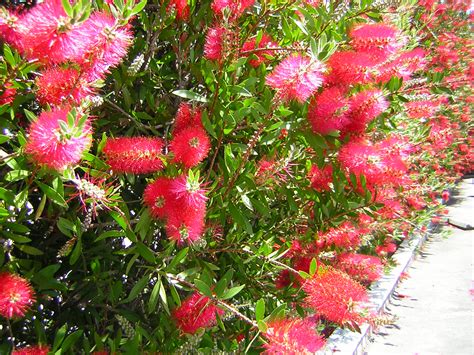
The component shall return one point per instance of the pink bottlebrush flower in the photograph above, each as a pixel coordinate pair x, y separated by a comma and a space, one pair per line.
109, 47
48, 34
296, 77
56, 86
260, 54
181, 7
292, 337
190, 146
375, 38
235, 7
16, 295
363, 268
32, 350
349, 68
422, 108
388, 247
184, 225
328, 111
345, 236
404, 66
7, 94
136, 155
187, 117
158, 197
335, 296
188, 193
9, 21
321, 178
197, 311
216, 38
53, 142
364, 107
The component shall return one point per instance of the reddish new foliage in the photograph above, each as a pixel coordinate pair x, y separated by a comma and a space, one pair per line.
51, 145
334, 295
364, 107
344, 236
58, 85
136, 155
321, 178
363, 268
296, 77
197, 311
292, 337
16, 295
328, 111
190, 146
261, 55
32, 350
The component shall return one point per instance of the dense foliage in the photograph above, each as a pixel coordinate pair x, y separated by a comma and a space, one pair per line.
226, 175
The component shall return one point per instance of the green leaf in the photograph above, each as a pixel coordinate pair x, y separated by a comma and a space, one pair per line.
178, 258
203, 288
28, 249
189, 95
139, 7
52, 194
146, 252
76, 252
71, 340
8, 55
139, 286
59, 337
260, 309
153, 300
313, 266
232, 292
16, 175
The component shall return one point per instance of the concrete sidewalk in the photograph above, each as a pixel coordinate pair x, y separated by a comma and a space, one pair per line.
434, 306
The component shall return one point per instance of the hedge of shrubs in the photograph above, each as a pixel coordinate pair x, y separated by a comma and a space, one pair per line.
218, 176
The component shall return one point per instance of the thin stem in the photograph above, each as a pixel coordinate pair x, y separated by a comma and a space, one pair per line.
10, 332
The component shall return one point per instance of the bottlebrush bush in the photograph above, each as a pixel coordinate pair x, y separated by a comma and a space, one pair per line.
206, 176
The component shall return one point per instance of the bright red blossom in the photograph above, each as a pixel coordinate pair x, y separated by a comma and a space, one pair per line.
190, 146
214, 45
235, 7
292, 337
57, 148
32, 350
334, 295
296, 77
328, 111
158, 197
197, 311
181, 7
364, 107
136, 155
261, 55
376, 38
16, 295
321, 178
349, 68
363, 268
344, 236
187, 117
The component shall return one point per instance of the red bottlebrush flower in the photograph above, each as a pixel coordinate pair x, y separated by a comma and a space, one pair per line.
296, 77
136, 155
321, 178
32, 350
9, 21
364, 107
292, 337
422, 109
187, 117
375, 38
185, 226
334, 295
190, 146
445, 196
260, 54
16, 295
388, 247
344, 236
235, 7
181, 7
188, 193
158, 197
109, 47
363, 268
214, 45
7, 94
56, 143
58, 85
328, 111
349, 68
197, 311
48, 34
